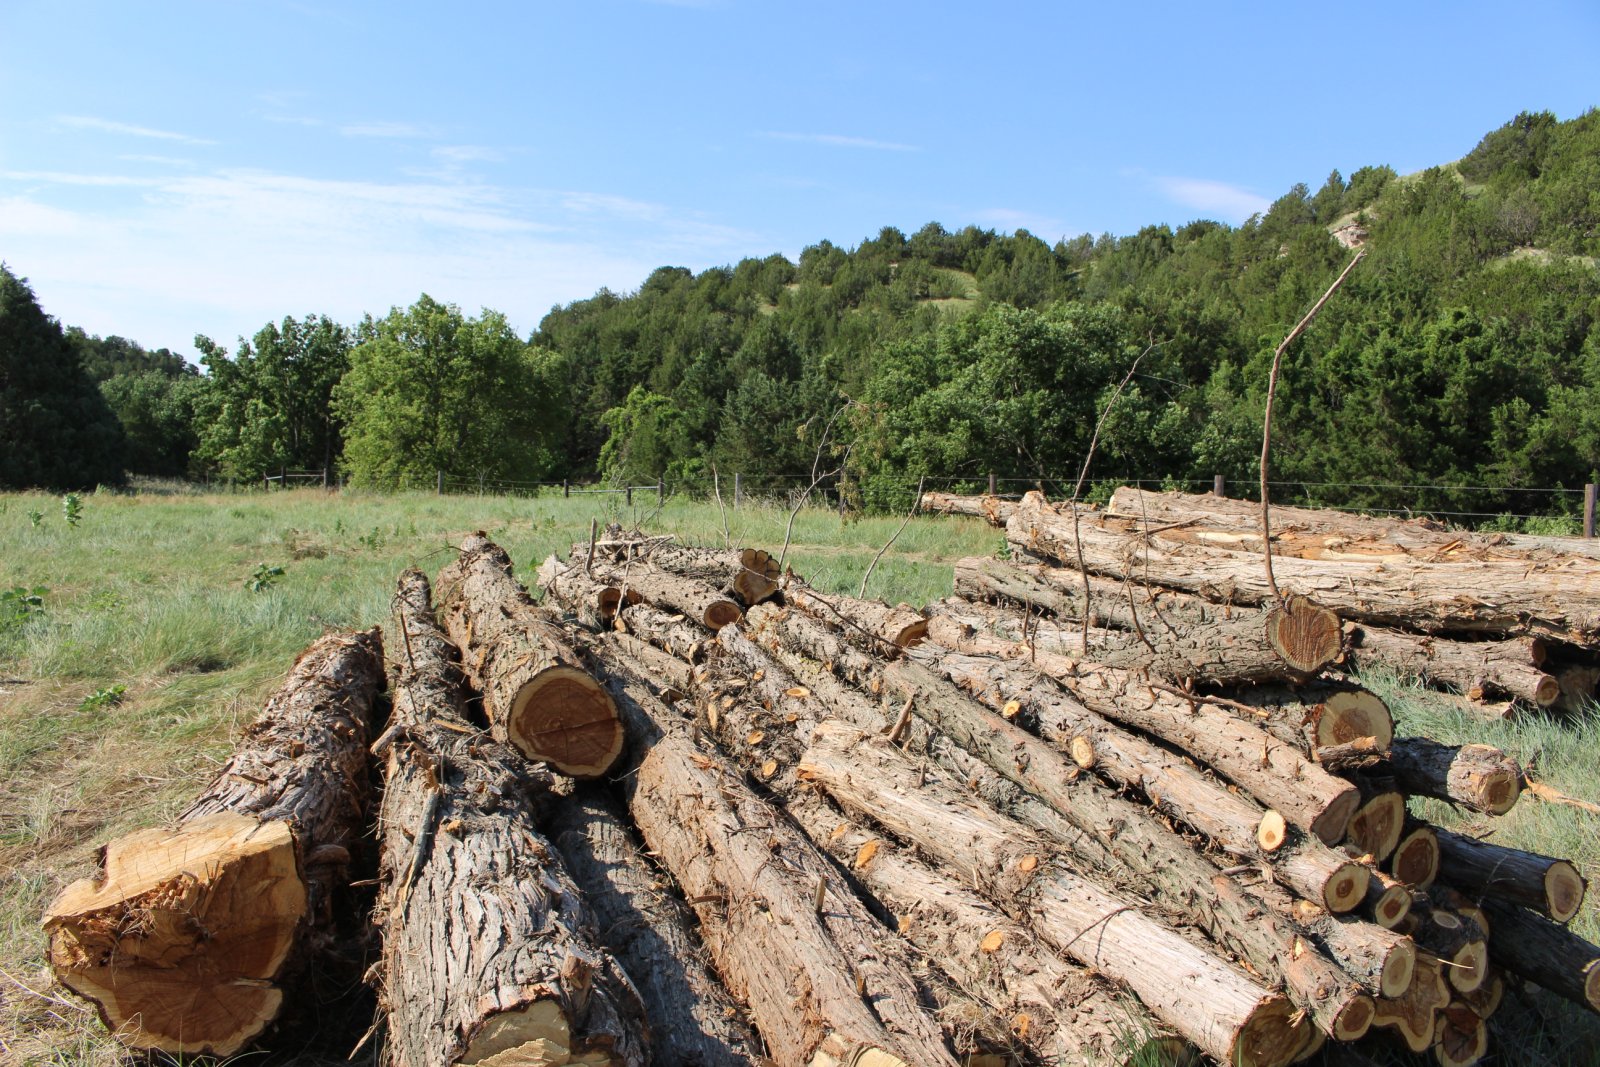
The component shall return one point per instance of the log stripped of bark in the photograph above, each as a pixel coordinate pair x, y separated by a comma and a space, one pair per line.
489, 951
189, 936
1480, 777
1221, 1012
1545, 952
990, 509
1549, 886
1175, 786
1479, 670
538, 696
815, 980
691, 1018
1494, 596
1050, 1005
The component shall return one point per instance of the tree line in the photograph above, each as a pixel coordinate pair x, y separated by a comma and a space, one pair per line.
1465, 350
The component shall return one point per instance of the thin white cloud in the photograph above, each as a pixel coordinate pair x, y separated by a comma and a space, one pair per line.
467, 153
837, 140
165, 161
160, 259
399, 130
1234, 203
1005, 218
89, 122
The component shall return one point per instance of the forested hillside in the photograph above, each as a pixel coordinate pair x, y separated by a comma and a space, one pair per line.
1464, 350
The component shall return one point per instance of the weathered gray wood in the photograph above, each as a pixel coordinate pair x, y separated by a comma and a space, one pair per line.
1546, 884
489, 948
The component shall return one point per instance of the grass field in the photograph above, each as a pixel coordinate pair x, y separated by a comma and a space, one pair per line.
153, 650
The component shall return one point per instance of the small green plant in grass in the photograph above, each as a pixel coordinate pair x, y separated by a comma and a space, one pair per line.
108, 697
263, 578
72, 509
1004, 551
20, 606
35, 517
372, 541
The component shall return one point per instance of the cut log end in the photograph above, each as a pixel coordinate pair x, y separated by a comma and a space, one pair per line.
1591, 985
1082, 750
913, 635
565, 718
1354, 1019
720, 613
1416, 859
1469, 967
1347, 888
1374, 830
532, 1035
1305, 636
1332, 823
1391, 903
1274, 1034
1460, 1037
1352, 714
1547, 690
1564, 889
179, 939
1272, 831
758, 576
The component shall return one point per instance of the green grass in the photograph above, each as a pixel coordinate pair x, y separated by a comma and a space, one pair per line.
150, 592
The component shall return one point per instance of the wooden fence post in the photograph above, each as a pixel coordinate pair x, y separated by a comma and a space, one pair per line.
661, 492
629, 491
566, 489
1588, 509
991, 484
1219, 485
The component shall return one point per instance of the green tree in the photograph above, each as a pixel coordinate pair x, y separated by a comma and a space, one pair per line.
56, 430
429, 390
157, 413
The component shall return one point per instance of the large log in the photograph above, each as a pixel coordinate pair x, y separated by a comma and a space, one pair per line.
538, 697
1050, 1005
1543, 951
1275, 773
1174, 785
751, 574
691, 1017
1549, 886
595, 603
189, 937
1482, 596
1479, 777
488, 947
1479, 670
816, 979
871, 625
686, 596
990, 509
1223, 1013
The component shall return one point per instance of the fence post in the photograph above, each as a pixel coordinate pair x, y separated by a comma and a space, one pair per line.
566, 489
991, 484
738, 489
661, 492
630, 496
1588, 509
1219, 485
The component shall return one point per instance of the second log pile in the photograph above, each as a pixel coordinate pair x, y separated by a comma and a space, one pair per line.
710, 815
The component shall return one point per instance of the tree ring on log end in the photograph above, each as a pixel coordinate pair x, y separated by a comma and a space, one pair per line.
1274, 1034
1347, 888
1352, 714
1399, 968
534, 1035
1460, 1036
1305, 636
1272, 831
1331, 824
1564, 889
180, 937
1470, 966
568, 720
1354, 1019
1591, 984
1416, 861
720, 613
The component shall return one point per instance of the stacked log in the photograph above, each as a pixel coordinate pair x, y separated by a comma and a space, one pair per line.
1124, 817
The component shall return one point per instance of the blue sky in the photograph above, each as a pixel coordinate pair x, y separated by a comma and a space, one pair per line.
173, 168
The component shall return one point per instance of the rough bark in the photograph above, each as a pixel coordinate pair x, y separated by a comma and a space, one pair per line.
688, 597
1173, 784
536, 693
189, 937
1388, 900
1322, 716
1479, 777
1050, 1005
673, 634
1221, 1012
1381, 959
691, 1018
1484, 596
1275, 773
869, 624
1549, 886
750, 574
594, 603
1479, 670
816, 980
488, 946
1545, 952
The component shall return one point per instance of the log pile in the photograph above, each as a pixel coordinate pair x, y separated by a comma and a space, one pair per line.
690, 810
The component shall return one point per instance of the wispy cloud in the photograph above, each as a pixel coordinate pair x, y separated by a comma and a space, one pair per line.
89, 122
162, 258
837, 140
1234, 203
165, 161
467, 153
1005, 218
401, 130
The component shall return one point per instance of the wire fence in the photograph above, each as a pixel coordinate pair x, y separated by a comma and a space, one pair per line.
1556, 507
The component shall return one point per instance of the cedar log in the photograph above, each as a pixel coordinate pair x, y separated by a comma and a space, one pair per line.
1549, 886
